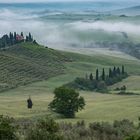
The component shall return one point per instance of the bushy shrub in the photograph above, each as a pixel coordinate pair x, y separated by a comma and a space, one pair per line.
46, 129
133, 137
82, 84
102, 87
119, 130
124, 127
7, 130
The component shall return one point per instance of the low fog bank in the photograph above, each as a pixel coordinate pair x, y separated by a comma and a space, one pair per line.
71, 33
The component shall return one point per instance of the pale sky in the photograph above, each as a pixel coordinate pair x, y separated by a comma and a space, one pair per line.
21, 1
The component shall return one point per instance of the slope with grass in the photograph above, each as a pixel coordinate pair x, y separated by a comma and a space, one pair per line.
132, 84
99, 107
27, 62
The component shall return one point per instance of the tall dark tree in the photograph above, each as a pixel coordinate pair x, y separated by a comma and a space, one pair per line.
29, 103
30, 37
97, 74
15, 37
114, 71
22, 34
123, 69
110, 73
103, 75
118, 71
27, 38
11, 38
91, 77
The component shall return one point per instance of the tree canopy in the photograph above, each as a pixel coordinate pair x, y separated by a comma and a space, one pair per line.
67, 102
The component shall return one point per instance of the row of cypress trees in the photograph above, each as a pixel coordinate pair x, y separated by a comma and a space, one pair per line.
115, 72
11, 39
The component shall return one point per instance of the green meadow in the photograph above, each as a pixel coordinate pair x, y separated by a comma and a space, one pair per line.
99, 107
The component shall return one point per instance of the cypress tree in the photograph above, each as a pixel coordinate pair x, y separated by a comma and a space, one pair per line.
118, 71
10, 34
29, 103
123, 69
7, 40
27, 38
30, 37
91, 77
103, 75
22, 34
11, 38
15, 37
97, 74
114, 71
110, 73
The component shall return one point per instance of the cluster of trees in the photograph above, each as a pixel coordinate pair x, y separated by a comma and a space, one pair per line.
48, 129
114, 75
14, 38
100, 81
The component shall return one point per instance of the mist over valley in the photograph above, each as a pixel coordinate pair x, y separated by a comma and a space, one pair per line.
79, 25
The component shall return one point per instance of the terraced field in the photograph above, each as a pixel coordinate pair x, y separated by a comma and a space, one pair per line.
26, 63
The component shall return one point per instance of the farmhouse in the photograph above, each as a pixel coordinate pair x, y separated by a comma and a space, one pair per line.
19, 38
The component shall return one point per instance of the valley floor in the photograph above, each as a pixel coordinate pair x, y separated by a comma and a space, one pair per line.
99, 107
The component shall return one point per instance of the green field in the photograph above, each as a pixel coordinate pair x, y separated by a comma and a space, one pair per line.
99, 107
26, 63
132, 83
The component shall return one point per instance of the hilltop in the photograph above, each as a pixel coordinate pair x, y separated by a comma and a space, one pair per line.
27, 62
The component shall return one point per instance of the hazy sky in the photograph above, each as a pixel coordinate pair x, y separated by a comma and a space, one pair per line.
20, 1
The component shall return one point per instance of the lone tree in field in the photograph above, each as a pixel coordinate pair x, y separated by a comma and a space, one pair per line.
67, 102
29, 103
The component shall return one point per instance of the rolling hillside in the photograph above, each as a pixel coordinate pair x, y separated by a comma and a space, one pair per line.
25, 63
128, 11
38, 71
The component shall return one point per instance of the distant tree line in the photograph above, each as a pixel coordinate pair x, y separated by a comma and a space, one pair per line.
14, 38
99, 82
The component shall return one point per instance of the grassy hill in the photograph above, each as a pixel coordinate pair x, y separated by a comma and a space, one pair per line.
26, 62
